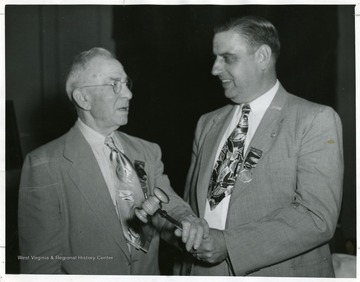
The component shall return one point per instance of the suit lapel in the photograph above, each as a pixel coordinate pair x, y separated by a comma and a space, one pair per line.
265, 134
93, 188
211, 143
129, 150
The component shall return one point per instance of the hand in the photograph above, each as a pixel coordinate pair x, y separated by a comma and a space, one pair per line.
213, 248
194, 230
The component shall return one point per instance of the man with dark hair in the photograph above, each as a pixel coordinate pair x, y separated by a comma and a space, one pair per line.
78, 193
266, 170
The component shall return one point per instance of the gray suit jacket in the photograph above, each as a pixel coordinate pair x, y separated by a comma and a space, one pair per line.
279, 223
67, 221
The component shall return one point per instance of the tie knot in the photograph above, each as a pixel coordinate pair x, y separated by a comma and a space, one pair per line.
109, 141
246, 108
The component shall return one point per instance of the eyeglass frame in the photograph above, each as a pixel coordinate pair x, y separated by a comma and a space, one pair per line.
127, 82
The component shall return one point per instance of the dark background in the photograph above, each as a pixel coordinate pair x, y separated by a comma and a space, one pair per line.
167, 51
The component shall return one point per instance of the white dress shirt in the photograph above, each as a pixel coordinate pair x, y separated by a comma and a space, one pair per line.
217, 217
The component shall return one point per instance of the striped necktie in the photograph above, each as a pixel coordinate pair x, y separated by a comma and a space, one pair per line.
229, 162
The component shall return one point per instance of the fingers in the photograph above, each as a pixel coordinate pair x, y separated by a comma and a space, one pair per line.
186, 236
202, 233
206, 229
191, 240
193, 231
199, 235
178, 232
196, 256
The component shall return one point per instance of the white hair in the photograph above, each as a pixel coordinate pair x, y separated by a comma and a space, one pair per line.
79, 66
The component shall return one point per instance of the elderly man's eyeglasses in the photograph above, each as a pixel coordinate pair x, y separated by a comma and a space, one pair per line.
117, 85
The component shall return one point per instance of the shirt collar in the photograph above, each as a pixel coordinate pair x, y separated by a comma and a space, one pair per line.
94, 138
260, 105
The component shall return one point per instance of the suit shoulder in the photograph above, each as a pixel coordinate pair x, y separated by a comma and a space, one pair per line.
305, 107
50, 152
301, 103
51, 148
136, 142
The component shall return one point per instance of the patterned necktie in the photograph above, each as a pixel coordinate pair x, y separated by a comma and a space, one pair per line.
128, 195
229, 162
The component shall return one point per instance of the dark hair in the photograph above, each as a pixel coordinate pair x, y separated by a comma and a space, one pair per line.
255, 30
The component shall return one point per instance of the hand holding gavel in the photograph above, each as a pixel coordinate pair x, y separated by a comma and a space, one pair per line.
152, 205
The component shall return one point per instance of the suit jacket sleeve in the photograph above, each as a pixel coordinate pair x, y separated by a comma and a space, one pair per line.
191, 179
176, 207
39, 218
194, 153
310, 220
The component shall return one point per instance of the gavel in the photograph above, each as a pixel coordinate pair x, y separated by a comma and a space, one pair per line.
153, 206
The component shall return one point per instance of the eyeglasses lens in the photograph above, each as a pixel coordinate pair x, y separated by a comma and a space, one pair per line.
118, 85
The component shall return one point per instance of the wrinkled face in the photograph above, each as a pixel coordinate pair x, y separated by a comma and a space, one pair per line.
107, 110
236, 66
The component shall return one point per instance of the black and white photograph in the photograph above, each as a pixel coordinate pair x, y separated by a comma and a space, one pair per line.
168, 141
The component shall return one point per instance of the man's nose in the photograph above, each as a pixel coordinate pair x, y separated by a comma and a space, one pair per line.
126, 93
217, 67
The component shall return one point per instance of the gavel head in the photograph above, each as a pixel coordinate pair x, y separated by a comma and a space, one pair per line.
161, 195
152, 204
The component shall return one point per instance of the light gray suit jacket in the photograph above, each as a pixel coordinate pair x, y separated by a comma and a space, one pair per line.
67, 221
279, 223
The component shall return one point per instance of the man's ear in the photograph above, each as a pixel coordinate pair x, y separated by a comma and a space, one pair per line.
81, 99
264, 56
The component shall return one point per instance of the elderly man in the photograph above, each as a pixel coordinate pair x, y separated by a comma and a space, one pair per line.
267, 169
79, 192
